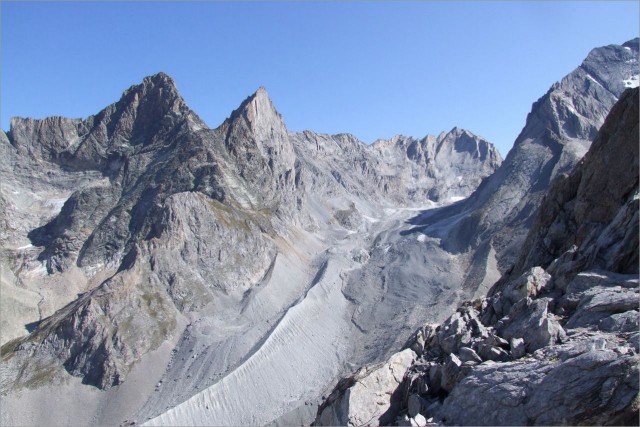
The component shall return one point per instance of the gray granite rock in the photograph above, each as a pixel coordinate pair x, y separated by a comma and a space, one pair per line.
467, 354
529, 284
372, 398
594, 307
531, 321
517, 348
489, 352
629, 321
608, 382
451, 372
540, 393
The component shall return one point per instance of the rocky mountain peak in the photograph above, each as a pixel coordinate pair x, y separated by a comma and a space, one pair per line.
256, 139
614, 67
633, 44
463, 141
455, 131
595, 206
575, 107
557, 133
152, 99
146, 113
160, 78
161, 85
259, 113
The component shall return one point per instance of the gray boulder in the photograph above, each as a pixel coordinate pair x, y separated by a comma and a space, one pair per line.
629, 321
547, 393
531, 321
517, 348
608, 382
601, 303
467, 354
460, 330
372, 398
493, 394
416, 405
451, 372
530, 284
489, 352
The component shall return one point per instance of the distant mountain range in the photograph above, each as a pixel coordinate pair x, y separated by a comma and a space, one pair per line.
158, 270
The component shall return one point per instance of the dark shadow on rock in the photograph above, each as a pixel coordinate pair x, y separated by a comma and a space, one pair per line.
456, 225
41, 236
389, 417
32, 326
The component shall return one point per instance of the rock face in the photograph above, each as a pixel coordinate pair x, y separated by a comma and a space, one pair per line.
258, 171
369, 398
558, 131
335, 170
449, 160
582, 209
161, 204
556, 340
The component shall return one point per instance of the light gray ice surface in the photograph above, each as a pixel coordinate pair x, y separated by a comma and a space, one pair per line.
322, 335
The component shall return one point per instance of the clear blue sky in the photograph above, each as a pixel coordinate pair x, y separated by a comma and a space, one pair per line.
374, 69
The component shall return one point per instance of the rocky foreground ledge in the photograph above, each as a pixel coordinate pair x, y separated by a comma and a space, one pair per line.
556, 341
524, 369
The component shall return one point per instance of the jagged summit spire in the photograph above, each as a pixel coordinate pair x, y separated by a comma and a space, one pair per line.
148, 102
157, 87
260, 98
160, 76
159, 79
262, 91
258, 110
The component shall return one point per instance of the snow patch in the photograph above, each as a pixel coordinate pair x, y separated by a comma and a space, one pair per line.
370, 219
422, 238
55, 204
627, 47
454, 199
193, 125
38, 271
295, 362
632, 81
390, 211
595, 81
